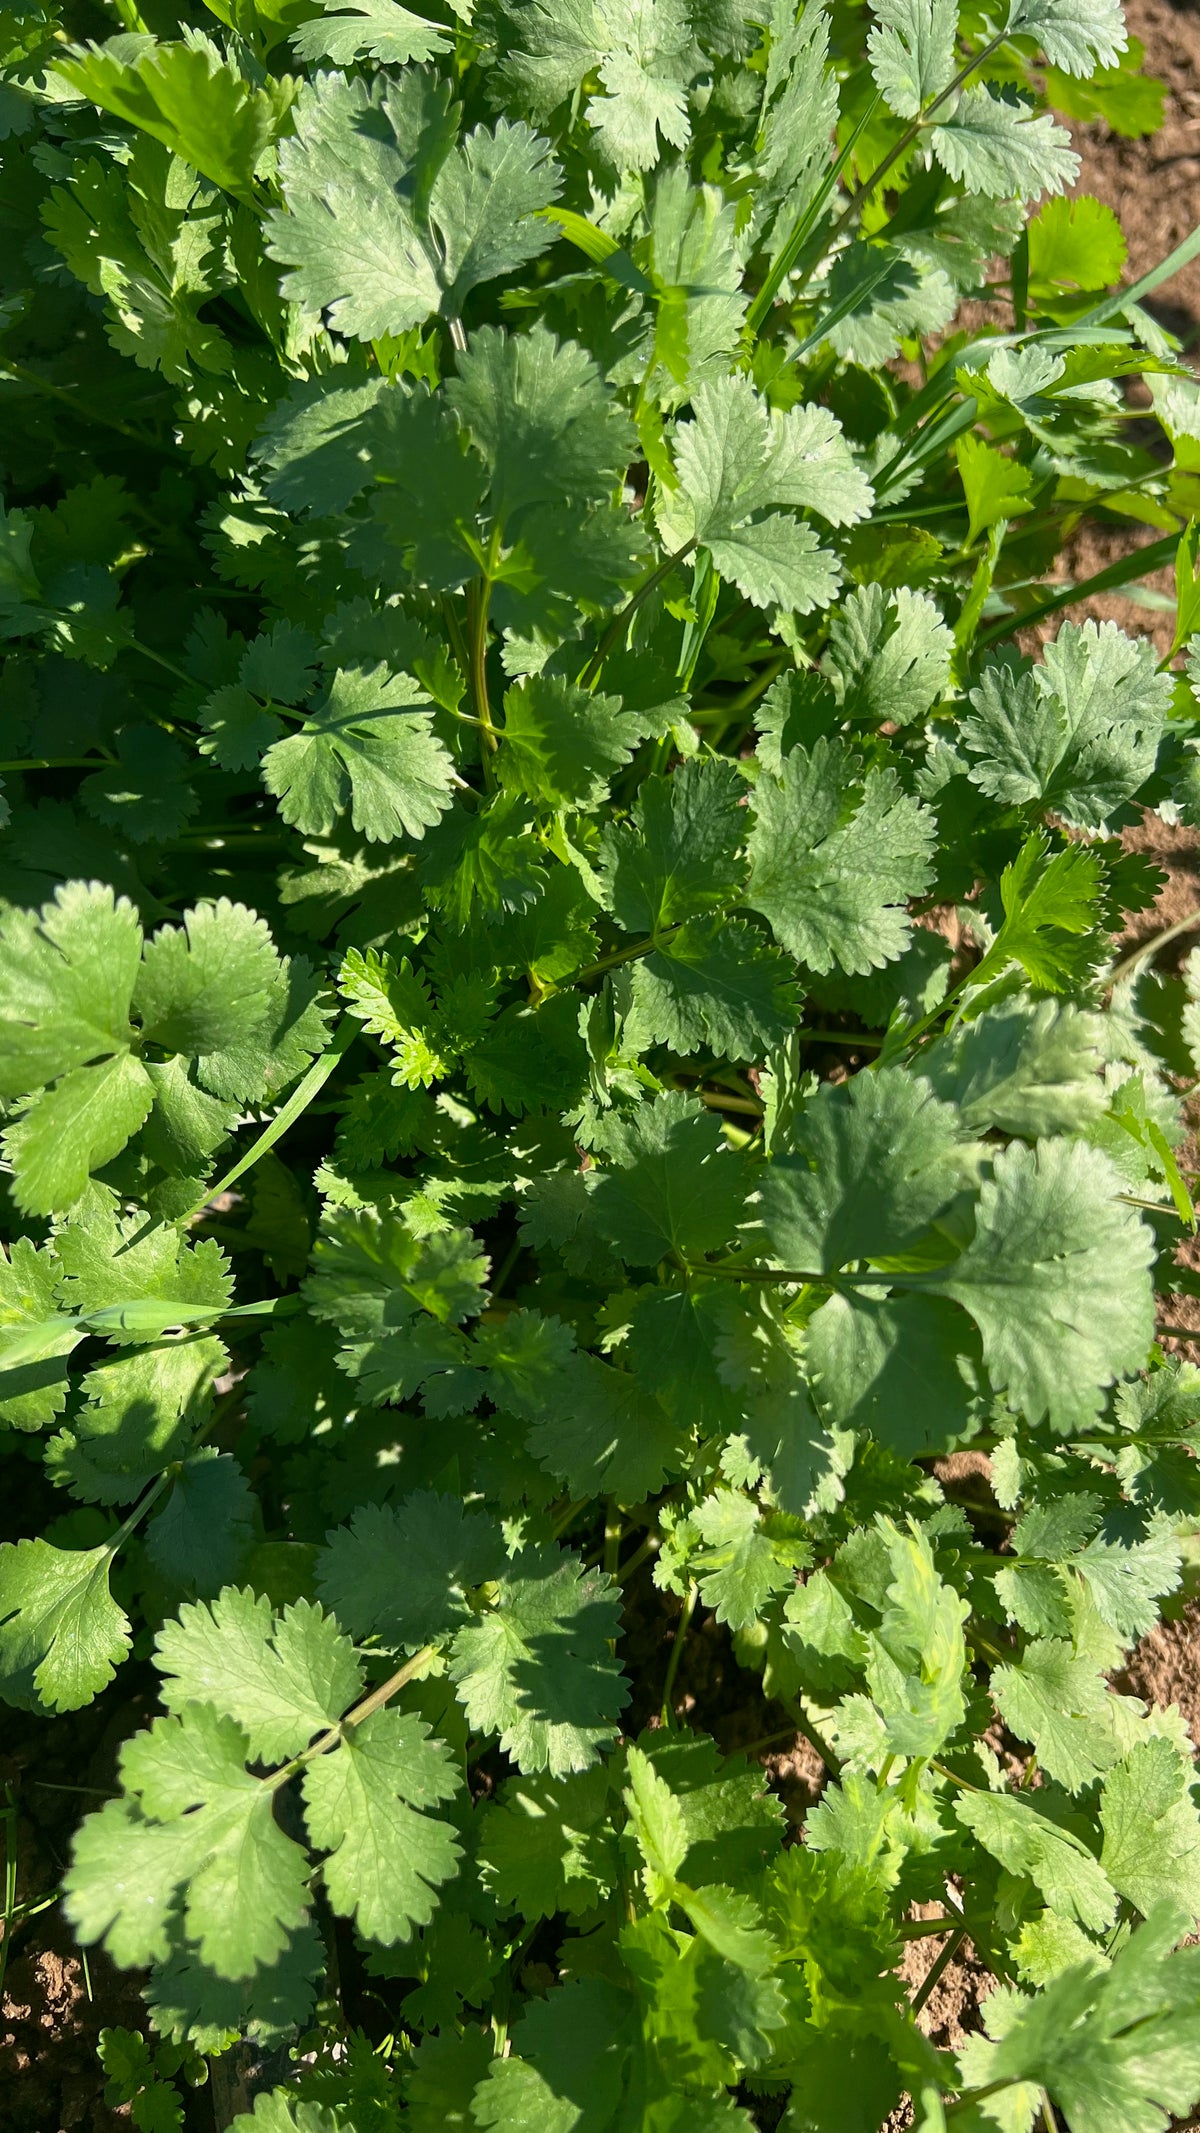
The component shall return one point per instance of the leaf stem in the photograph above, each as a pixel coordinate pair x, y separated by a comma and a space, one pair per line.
912, 133
479, 594
335, 1734
667, 1714
1143, 950
937, 1970
298, 1102
60, 762
620, 622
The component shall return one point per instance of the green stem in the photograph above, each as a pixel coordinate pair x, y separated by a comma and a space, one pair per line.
802, 229
938, 1969
315, 1079
90, 413
366, 1709
912, 133
1151, 946
815, 1738
612, 1539
630, 954
667, 1714
840, 1036
620, 622
60, 762
650, 1546
479, 596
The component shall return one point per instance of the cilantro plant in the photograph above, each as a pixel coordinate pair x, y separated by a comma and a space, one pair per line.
562, 1044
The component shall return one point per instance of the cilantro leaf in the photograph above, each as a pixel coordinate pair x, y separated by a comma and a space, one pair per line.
365, 747
282, 1678
196, 1821
889, 654
713, 985
1056, 1861
548, 1844
363, 1805
673, 1186
1151, 1830
1078, 734
1056, 1279
871, 1164
562, 745
536, 1669
678, 854
67, 977
738, 467
835, 852
998, 147
62, 1635
402, 1573
35, 1340
389, 217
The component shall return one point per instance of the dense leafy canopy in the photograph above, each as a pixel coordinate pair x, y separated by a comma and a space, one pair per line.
561, 1045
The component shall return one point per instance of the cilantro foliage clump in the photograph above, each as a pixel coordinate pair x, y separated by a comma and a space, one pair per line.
587, 1191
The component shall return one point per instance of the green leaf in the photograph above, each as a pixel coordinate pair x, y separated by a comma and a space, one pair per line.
995, 487
1057, 1698
196, 1822
406, 221
1074, 244
737, 1561
62, 1635
1076, 35
200, 988
1151, 1830
368, 29
136, 1280
714, 985
998, 148
889, 654
741, 469
363, 1805
1056, 1278
836, 851
907, 1368
1056, 1861
1028, 1067
537, 1670
281, 1678
1077, 735
870, 1165
187, 97
562, 745
35, 1340
547, 1844
601, 1433
1109, 2046
657, 1824
673, 1185
402, 1573
643, 60
912, 51
200, 1540
363, 749
677, 856
190, 2004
